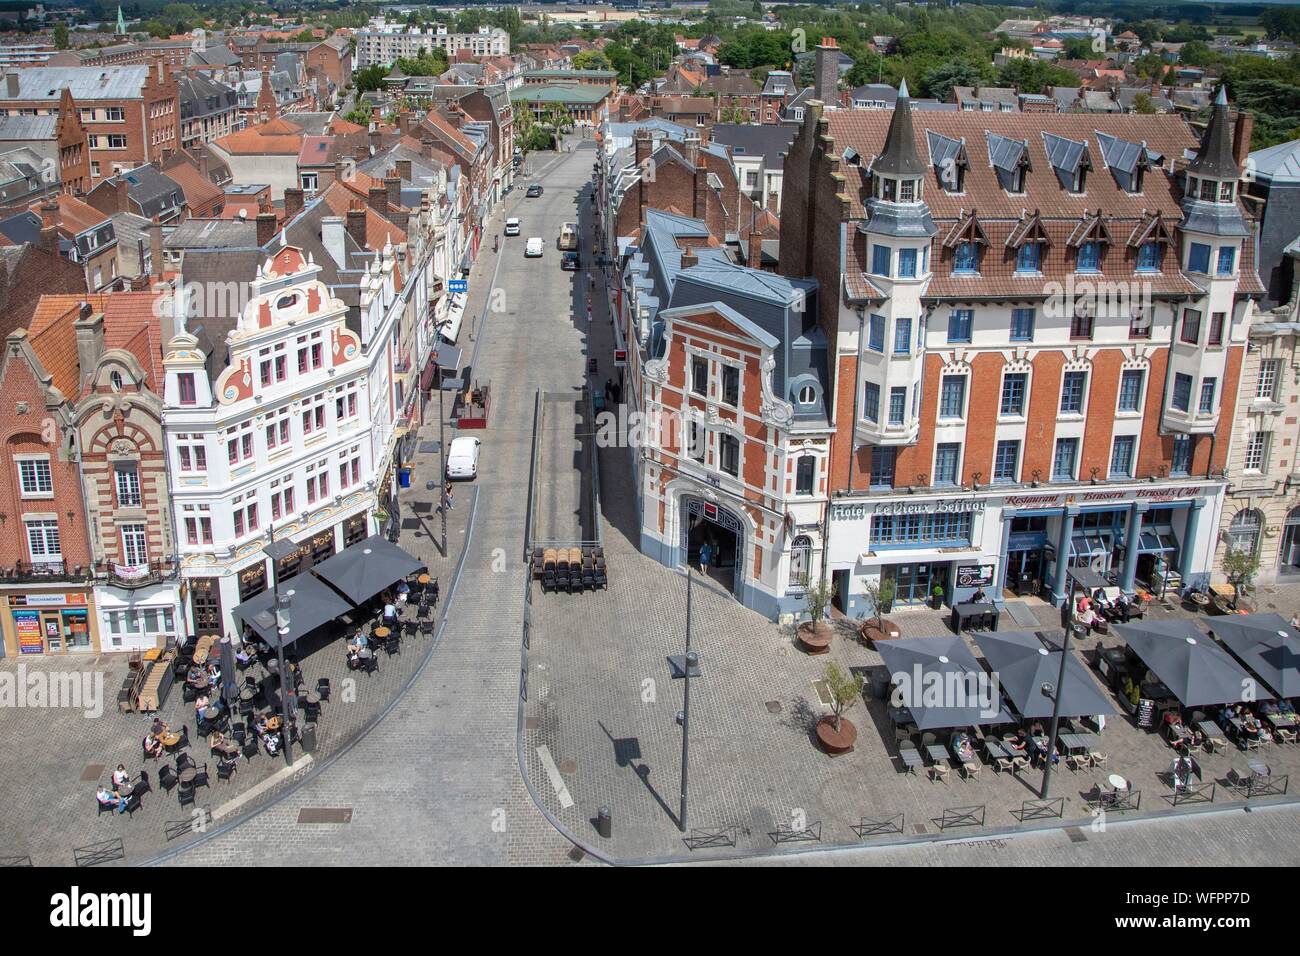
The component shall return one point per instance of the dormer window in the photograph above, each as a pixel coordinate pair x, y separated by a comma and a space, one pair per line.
1028, 259
1209, 190
1149, 256
965, 259
1225, 191
1088, 258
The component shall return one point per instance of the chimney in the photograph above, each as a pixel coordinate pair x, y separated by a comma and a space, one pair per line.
701, 199
404, 169
341, 171
376, 140
378, 198
755, 248
393, 184
11, 84
1241, 132
331, 236
357, 222
426, 146
123, 194
90, 338
826, 73
49, 238
361, 153
155, 248
403, 123
643, 147
689, 258
265, 225
139, 283
292, 202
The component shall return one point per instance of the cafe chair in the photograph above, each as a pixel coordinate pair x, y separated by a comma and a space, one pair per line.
104, 807
1077, 762
226, 769
393, 644
323, 688
188, 694
184, 761
185, 796
167, 777
370, 664
938, 771
249, 750
1097, 759
201, 778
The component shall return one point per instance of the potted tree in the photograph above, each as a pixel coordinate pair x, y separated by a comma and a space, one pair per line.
815, 633
1240, 567
880, 593
835, 732
936, 596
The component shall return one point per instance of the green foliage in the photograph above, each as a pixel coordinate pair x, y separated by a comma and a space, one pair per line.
817, 597
1281, 23
590, 60
1142, 104
359, 115
428, 63
939, 82
1035, 76
60, 36
370, 79
1240, 567
845, 689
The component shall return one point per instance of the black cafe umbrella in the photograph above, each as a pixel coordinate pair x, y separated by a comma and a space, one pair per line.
1187, 661
229, 685
941, 684
366, 568
1023, 664
1266, 644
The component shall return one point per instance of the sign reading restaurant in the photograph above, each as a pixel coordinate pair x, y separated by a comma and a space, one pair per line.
896, 506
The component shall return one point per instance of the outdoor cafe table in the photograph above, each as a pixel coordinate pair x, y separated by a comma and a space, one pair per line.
187, 775
1073, 742
974, 614
273, 723
1210, 729
382, 632
997, 749
938, 752
1280, 720
170, 739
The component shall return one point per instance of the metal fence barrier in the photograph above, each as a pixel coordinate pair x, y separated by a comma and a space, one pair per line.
1256, 785
868, 827
15, 861
961, 817
1117, 801
178, 828
1194, 793
97, 853
1044, 809
786, 833
705, 838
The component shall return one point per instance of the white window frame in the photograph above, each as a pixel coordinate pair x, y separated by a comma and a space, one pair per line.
48, 474
48, 529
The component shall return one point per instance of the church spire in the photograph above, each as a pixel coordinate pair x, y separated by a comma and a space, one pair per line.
121, 22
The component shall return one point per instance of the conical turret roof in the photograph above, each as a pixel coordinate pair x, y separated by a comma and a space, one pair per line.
1214, 158
899, 157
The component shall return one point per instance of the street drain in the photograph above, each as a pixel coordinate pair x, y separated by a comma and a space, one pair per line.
532, 723
919, 828
325, 815
92, 772
568, 766
773, 706
823, 692
1076, 835
577, 854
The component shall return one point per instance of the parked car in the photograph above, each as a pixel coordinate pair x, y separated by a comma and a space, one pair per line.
534, 191
462, 458
512, 227
569, 262
533, 248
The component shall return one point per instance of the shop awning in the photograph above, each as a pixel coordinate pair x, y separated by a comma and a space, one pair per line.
312, 603
1151, 542
446, 357
1087, 544
426, 375
449, 329
367, 567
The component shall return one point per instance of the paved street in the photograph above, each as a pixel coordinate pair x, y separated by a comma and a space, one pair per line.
438, 781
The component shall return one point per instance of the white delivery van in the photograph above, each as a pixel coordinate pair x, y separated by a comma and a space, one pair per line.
512, 227
462, 458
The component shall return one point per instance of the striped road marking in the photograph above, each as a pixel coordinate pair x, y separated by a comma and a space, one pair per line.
553, 772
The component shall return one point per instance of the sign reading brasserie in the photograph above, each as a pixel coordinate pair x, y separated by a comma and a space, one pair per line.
858, 510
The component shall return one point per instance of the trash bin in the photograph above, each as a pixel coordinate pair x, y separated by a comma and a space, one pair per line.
308, 741
604, 822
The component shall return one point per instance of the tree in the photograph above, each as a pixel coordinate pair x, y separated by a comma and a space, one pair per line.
1142, 104
60, 36
590, 60
845, 690
939, 82
371, 78
1035, 76
359, 115
818, 598
1240, 567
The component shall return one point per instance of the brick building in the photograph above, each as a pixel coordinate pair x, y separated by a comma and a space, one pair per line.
1037, 319
131, 114
727, 383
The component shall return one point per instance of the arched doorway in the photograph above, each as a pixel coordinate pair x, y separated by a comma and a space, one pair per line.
704, 523
1288, 558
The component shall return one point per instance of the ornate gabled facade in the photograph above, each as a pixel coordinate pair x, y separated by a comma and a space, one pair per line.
280, 438
724, 413
1036, 319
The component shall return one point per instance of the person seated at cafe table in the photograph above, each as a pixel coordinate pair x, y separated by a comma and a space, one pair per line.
403, 592
271, 742
979, 597
1252, 729
107, 798
158, 727
153, 747
121, 778
195, 674
963, 747
390, 611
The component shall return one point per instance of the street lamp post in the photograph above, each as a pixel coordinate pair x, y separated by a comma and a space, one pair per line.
1056, 693
442, 440
277, 551
684, 668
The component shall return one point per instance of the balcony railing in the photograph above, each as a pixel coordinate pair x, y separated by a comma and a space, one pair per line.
136, 575
42, 571
403, 364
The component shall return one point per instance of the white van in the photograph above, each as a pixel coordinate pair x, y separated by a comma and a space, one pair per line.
462, 458
512, 227
534, 247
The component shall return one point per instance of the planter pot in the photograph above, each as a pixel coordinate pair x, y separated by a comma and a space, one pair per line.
887, 631
937, 603
815, 638
836, 743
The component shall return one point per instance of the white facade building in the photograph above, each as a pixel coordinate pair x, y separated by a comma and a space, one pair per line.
382, 43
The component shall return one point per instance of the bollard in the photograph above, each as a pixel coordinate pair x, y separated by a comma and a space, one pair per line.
604, 825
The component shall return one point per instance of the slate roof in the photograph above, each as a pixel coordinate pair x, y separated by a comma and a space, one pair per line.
770, 141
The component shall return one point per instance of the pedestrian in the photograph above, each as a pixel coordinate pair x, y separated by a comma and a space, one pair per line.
706, 555
618, 392
434, 592
447, 501
609, 390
